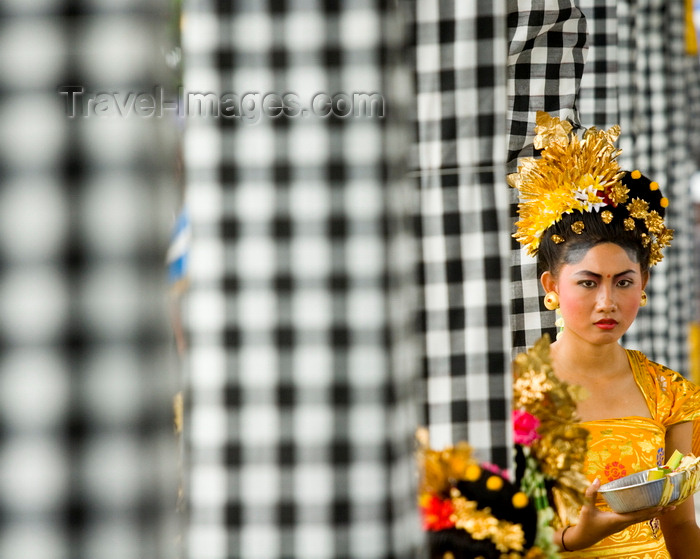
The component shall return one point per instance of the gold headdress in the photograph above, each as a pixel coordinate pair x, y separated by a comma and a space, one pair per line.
581, 174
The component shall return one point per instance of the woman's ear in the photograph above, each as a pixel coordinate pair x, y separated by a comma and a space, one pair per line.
645, 279
548, 281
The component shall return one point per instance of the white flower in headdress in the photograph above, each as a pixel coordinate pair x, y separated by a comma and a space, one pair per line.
589, 199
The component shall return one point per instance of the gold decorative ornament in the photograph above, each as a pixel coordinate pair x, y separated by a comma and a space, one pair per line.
472, 473
578, 227
618, 193
572, 174
638, 208
644, 300
520, 500
494, 483
441, 471
480, 524
654, 222
561, 448
551, 301
582, 175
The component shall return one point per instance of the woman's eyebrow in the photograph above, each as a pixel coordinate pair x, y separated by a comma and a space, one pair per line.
595, 275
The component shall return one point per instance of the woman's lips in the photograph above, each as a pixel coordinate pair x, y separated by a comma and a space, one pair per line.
606, 324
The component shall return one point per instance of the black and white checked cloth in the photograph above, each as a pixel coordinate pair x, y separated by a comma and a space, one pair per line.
659, 76
463, 222
301, 367
639, 75
546, 56
602, 90
86, 449
636, 74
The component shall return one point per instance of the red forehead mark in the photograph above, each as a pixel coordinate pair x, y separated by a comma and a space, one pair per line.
609, 275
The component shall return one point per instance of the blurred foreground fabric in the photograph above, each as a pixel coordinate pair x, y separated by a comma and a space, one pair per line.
87, 456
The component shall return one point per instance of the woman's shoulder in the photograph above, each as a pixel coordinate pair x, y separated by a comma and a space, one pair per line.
674, 397
639, 360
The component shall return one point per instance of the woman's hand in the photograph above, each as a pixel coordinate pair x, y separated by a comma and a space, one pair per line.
595, 524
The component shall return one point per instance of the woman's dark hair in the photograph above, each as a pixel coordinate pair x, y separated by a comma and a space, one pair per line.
570, 246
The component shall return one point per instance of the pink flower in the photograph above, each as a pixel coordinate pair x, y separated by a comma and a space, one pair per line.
525, 427
495, 469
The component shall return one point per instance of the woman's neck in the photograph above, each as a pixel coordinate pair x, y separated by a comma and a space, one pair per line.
605, 374
574, 358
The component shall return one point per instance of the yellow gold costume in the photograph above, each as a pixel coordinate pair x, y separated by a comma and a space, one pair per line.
618, 447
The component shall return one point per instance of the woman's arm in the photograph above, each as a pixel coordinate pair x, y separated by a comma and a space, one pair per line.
679, 526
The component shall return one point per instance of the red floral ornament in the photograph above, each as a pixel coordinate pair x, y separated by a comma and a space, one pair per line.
615, 470
525, 427
436, 513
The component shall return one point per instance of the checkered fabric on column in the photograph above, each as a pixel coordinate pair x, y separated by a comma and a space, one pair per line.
86, 457
656, 113
464, 226
302, 359
546, 56
693, 109
603, 90
636, 75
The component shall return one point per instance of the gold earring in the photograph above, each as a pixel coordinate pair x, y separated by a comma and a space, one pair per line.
643, 302
551, 300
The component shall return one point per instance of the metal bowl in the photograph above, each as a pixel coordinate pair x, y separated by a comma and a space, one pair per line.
634, 492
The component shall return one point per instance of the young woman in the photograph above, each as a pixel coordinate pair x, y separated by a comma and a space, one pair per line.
596, 232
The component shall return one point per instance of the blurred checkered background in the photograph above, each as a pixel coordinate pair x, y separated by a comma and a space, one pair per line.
87, 457
301, 365
657, 81
300, 359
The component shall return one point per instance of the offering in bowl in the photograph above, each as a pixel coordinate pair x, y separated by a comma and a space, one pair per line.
666, 485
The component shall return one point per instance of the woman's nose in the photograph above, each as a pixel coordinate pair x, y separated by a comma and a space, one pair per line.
606, 300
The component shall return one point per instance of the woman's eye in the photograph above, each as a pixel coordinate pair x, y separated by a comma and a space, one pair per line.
624, 283
587, 283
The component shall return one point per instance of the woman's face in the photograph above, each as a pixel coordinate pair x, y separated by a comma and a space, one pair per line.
599, 294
